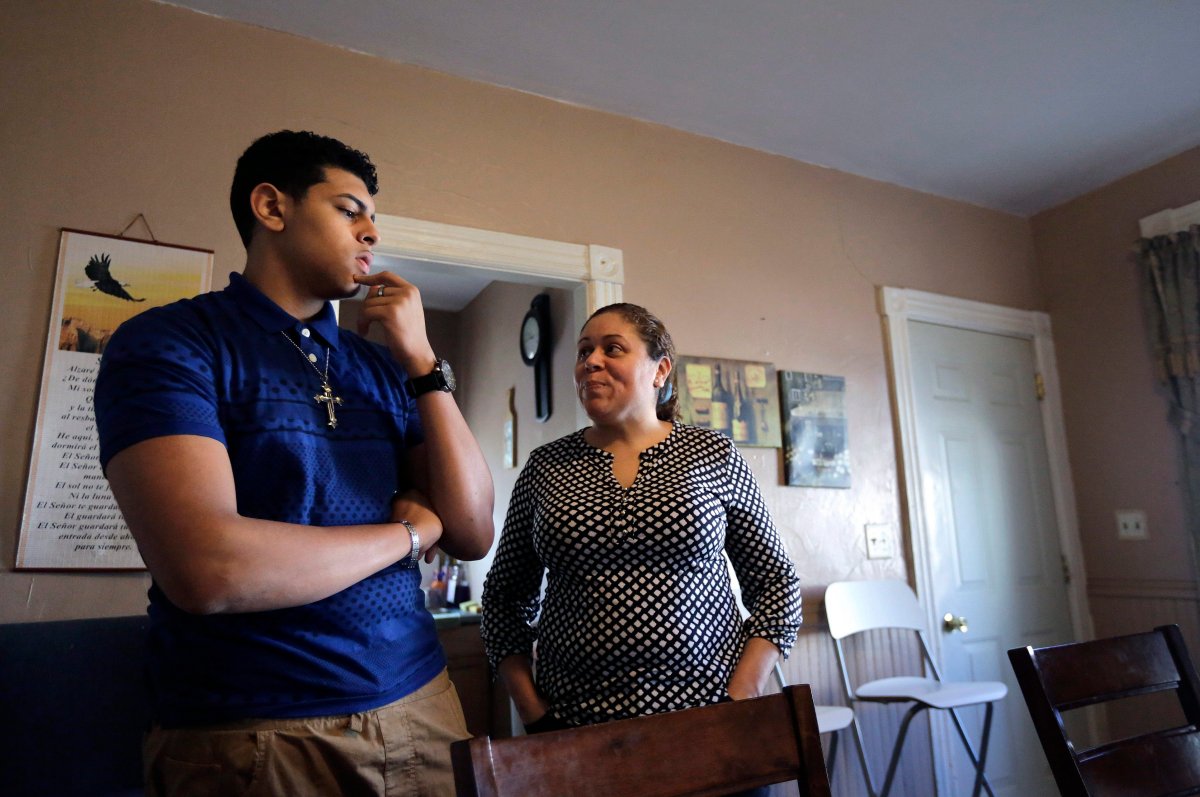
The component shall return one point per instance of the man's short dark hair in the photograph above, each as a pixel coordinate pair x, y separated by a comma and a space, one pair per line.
292, 162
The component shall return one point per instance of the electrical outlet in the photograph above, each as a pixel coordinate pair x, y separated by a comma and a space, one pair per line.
1131, 524
879, 541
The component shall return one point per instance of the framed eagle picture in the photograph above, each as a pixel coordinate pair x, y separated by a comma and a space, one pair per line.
70, 519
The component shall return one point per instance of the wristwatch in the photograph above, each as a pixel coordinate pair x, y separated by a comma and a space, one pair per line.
440, 378
414, 558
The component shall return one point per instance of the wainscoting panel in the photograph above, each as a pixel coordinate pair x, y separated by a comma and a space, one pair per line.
1130, 606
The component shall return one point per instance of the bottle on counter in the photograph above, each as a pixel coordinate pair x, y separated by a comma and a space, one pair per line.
452, 575
435, 599
462, 589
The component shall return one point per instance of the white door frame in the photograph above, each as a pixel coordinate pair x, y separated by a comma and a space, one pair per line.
594, 273
600, 270
898, 306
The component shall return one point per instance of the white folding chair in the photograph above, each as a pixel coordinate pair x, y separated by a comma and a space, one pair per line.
830, 719
853, 607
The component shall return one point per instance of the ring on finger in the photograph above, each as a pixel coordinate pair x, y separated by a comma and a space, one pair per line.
380, 291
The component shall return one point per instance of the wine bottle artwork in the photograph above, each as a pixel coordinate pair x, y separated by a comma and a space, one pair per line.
738, 398
720, 409
742, 427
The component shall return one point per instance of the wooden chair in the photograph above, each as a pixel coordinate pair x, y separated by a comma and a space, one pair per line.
705, 751
854, 607
831, 720
1058, 678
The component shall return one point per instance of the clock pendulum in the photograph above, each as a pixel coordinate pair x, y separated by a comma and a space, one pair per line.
535, 351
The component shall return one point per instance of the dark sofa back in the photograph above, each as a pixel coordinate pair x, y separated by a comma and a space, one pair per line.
73, 707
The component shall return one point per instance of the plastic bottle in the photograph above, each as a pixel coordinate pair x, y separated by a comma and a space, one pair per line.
462, 589
435, 599
452, 583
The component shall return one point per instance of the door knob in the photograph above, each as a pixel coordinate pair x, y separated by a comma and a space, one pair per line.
952, 623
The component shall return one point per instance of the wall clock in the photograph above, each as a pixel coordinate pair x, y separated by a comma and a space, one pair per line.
536, 339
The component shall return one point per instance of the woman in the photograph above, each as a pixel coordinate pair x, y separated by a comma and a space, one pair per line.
628, 518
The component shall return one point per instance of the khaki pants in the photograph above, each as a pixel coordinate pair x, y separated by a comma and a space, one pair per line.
401, 749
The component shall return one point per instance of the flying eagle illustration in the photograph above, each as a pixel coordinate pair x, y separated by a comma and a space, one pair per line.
100, 278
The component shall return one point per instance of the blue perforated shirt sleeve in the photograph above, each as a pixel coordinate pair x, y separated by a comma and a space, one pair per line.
234, 367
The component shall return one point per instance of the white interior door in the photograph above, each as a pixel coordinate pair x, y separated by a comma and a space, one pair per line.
992, 540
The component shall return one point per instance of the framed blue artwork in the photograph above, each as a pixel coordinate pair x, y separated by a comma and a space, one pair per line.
816, 450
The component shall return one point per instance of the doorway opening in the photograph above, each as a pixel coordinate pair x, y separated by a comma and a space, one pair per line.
476, 286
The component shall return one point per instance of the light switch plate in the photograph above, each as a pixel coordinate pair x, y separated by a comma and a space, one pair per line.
1131, 524
879, 541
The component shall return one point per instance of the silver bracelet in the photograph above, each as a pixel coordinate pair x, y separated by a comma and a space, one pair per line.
414, 558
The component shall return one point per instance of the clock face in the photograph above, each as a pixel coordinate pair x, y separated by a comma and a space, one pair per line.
531, 338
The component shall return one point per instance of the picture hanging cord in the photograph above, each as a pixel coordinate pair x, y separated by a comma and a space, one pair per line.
141, 216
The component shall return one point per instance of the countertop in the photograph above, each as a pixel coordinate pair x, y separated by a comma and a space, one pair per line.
451, 618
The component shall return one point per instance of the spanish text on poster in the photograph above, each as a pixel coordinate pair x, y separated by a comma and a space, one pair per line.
71, 520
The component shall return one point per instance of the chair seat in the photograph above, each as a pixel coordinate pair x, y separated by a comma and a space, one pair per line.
833, 718
943, 694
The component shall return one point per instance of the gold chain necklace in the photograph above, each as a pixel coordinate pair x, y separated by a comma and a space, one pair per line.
326, 396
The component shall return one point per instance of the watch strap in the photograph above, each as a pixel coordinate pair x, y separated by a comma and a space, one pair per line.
434, 380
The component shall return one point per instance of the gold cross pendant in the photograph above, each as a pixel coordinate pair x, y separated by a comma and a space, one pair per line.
327, 398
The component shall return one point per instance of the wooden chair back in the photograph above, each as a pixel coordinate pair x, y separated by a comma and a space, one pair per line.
1056, 679
712, 750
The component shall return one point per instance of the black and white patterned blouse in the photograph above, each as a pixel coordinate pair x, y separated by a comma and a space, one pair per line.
639, 615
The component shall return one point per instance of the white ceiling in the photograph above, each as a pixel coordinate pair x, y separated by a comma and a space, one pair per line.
444, 289
1016, 105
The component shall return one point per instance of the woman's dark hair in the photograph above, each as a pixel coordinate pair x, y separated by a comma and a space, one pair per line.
292, 162
654, 334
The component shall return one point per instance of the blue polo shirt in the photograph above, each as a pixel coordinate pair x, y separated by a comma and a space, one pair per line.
223, 365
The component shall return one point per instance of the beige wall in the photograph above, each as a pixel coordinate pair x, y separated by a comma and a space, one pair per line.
480, 341
122, 107
492, 366
1124, 453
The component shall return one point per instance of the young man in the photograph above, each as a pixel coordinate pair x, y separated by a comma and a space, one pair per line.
282, 478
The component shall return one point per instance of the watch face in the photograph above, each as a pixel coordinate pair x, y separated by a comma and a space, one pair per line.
531, 338
447, 375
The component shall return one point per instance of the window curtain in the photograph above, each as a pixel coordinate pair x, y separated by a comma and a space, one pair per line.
1171, 271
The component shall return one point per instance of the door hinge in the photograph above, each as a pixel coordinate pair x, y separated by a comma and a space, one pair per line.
1066, 569
1039, 387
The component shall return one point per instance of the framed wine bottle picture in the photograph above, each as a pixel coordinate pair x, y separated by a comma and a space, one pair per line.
737, 398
